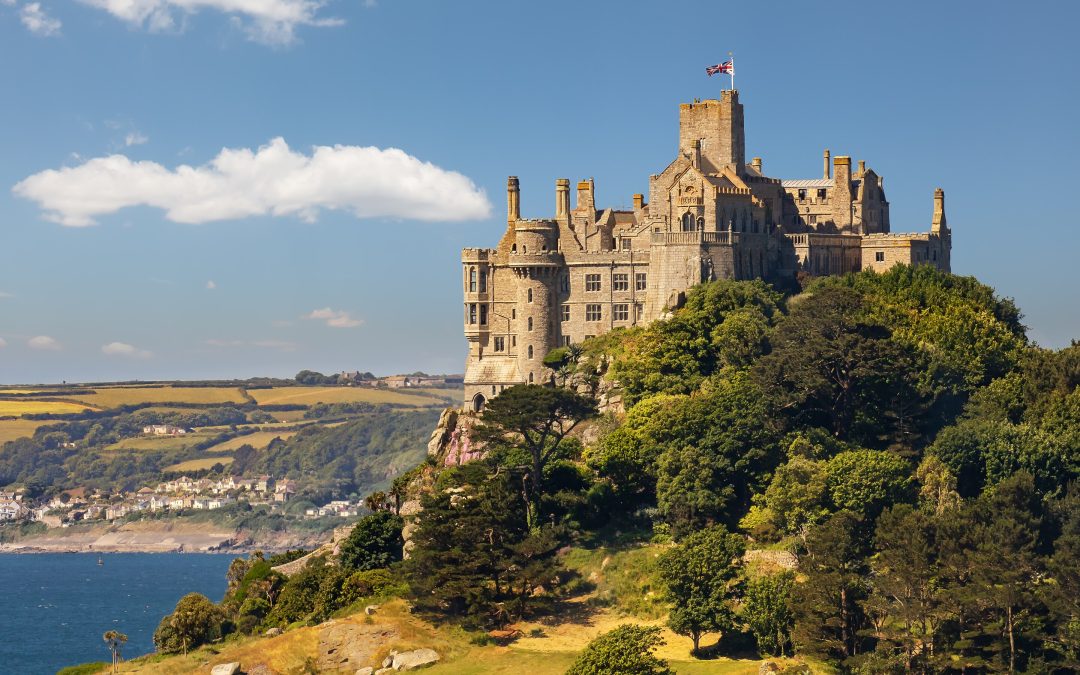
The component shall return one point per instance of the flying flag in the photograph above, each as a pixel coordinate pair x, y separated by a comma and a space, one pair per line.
725, 67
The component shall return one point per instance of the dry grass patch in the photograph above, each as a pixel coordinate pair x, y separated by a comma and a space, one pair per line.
198, 464
12, 429
110, 397
159, 442
257, 440
14, 408
313, 395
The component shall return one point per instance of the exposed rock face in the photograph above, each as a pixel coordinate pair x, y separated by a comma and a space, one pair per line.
365, 671
441, 436
781, 560
418, 658
226, 669
273, 632
330, 549
351, 646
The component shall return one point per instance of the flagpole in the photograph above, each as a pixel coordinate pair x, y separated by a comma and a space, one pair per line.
732, 70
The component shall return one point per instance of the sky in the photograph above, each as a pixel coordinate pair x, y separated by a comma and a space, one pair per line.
213, 189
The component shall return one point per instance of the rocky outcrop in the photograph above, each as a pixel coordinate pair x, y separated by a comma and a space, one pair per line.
417, 658
352, 646
226, 669
330, 549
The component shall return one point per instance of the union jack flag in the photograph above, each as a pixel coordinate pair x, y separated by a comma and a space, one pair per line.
725, 67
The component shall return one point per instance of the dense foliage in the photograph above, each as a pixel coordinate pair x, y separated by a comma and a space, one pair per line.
626, 650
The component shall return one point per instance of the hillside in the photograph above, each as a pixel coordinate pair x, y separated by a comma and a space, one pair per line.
875, 475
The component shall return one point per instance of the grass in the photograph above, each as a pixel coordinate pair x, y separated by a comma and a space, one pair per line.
159, 442
12, 429
257, 440
197, 464
110, 397
623, 577
14, 408
313, 395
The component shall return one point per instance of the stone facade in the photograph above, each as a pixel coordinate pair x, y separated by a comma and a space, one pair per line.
709, 215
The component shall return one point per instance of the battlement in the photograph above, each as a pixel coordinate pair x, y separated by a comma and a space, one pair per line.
477, 254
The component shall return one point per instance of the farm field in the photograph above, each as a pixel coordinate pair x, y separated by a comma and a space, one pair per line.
12, 429
257, 440
160, 442
197, 464
313, 395
14, 408
109, 397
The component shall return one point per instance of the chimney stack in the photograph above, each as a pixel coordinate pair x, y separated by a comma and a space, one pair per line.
939, 211
756, 163
513, 199
862, 168
562, 198
639, 201
828, 164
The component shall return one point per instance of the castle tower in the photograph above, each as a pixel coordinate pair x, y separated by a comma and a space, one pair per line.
938, 224
841, 193
717, 126
536, 264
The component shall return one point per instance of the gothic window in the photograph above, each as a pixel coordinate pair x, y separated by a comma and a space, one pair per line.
620, 282
592, 282
483, 281
687, 222
530, 351
641, 281
566, 312
483, 315
500, 344
593, 312
528, 293
621, 312
472, 279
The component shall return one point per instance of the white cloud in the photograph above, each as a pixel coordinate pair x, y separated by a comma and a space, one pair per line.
272, 22
5, 295
38, 21
3, 343
135, 138
210, 285
334, 318
274, 180
44, 342
124, 349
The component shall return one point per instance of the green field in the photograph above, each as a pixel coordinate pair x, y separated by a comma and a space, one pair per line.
197, 464
313, 395
160, 442
109, 397
14, 408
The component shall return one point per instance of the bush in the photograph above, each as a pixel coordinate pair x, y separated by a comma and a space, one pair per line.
195, 621
374, 543
622, 651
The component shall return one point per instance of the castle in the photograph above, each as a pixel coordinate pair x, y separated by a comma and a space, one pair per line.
710, 215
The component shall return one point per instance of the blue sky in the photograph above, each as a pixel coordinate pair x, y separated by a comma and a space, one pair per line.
340, 154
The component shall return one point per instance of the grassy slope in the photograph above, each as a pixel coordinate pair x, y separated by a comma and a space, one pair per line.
108, 397
12, 429
313, 395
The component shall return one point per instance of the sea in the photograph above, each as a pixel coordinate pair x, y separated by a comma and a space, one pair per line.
56, 606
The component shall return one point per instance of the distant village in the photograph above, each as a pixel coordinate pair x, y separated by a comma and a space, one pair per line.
180, 494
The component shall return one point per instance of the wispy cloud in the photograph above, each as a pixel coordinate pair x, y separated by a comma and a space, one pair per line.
124, 349
334, 318
3, 343
44, 343
135, 138
271, 22
38, 21
4, 295
211, 285
273, 180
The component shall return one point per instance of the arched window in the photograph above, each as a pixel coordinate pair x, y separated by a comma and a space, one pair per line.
687, 222
701, 224
478, 402
530, 323
528, 293
530, 378
530, 351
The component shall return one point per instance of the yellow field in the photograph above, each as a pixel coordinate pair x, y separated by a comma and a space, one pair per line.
108, 397
313, 395
197, 464
20, 407
257, 440
12, 429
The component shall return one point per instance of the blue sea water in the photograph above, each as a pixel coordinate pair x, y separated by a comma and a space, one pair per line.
56, 606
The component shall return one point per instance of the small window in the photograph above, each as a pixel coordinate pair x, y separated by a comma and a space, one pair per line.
589, 337
472, 279
592, 282
472, 313
530, 378
530, 350
879, 256
813, 218
638, 309
513, 313
620, 282
701, 223
593, 312
566, 341
483, 281
500, 344
621, 312
513, 341
933, 255
483, 315
564, 283
821, 193
528, 293
641, 281
802, 195
625, 243
565, 312
530, 323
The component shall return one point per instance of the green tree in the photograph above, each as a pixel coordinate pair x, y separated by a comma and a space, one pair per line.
195, 621
536, 419
798, 496
375, 541
867, 481
626, 650
767, 611
115, 641
827, 604
1063, 594
701, 577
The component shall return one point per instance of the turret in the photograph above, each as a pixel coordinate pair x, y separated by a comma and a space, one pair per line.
938, 224
841, 192
717, 127
513, 199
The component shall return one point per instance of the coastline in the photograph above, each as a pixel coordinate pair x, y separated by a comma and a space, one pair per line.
159, 537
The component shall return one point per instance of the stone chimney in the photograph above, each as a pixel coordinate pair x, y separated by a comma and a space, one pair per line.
828, 165
756, 163
513, 199
939, 212
841, 192
862, 168
639, 201
562, 199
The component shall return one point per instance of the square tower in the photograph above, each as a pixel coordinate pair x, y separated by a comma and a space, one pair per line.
717, 127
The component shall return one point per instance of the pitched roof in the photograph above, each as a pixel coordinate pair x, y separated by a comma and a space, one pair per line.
807, 183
